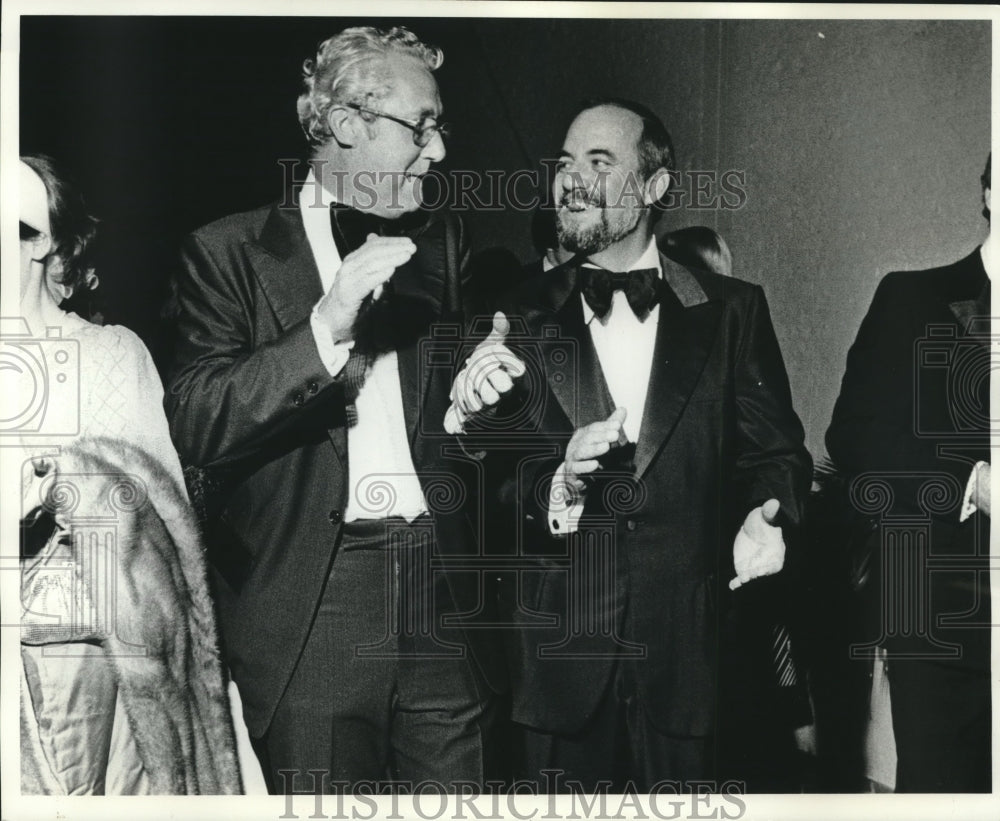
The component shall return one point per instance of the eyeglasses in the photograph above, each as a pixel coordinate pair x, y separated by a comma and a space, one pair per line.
423, 129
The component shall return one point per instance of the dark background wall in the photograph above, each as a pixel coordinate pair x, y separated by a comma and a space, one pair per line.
861, 142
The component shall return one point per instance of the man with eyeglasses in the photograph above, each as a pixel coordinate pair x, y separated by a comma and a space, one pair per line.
298, 393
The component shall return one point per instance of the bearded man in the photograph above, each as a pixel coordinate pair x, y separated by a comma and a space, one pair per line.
665, 457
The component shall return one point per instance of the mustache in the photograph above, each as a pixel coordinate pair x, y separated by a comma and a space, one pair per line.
581, 196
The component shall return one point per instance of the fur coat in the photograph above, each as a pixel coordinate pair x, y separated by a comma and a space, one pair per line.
112, 558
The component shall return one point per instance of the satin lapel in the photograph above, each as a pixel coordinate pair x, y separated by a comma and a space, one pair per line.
685, 332
284, 266
967, 280
973, 315
286, 270
574, 374
416, 305
412, 387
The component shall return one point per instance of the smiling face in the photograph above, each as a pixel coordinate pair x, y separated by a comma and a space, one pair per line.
598, 187
385, 164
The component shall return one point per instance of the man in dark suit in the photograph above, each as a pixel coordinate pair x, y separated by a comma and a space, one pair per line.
662, 452
911, 429
298, 388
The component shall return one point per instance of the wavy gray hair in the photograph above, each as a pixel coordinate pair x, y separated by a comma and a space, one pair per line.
348, 69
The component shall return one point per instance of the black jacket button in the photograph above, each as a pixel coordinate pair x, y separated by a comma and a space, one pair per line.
313, 387
298, 399
335, 517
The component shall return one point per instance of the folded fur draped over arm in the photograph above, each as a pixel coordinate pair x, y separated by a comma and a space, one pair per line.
143, 596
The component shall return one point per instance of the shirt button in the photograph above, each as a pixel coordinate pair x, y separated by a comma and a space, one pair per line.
335, 517
298, 399
631, 525
313, 387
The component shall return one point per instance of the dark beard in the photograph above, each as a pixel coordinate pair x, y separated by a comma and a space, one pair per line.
588, 241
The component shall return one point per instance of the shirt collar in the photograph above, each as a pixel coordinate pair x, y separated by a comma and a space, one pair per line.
312, 195
314, 206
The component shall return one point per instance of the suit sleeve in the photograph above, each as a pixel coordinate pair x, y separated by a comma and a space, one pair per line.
874, 425
771, 459
230, 398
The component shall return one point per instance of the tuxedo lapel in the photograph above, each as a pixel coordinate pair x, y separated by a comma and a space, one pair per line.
283, 263
284, 266
574, 374
417, 291
972, 315
593, 398
966, 288
685, 331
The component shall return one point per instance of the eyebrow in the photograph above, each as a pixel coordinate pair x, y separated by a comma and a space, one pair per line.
593, 152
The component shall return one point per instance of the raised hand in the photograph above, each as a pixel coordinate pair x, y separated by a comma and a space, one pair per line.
361, 273
488, 374
759, 549
588, 444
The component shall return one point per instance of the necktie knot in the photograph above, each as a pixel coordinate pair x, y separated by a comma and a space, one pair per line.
641, 288
619, 280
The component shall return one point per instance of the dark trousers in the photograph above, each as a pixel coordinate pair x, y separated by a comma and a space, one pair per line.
376, 695
941, 717
617, 750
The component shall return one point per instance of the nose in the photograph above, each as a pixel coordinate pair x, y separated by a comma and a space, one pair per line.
573, 175
435, 150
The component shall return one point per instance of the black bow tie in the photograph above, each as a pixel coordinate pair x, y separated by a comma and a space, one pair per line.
373, 327
351, 227
641, 289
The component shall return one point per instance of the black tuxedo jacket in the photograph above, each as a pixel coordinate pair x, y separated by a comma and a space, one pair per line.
250, 401
642, 578
911, 421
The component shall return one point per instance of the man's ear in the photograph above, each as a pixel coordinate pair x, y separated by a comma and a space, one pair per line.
343, 125
656, 186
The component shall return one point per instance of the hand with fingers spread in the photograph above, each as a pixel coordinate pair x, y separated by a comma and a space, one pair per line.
362, 272
588, 444
759, 549
488, 374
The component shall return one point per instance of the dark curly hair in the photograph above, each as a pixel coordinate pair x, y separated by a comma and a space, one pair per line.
72, 227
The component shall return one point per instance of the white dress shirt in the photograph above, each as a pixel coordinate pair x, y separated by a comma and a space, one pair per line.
624, 345
382, 479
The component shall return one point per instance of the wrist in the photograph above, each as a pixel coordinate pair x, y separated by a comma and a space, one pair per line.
565, 486
340, 333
